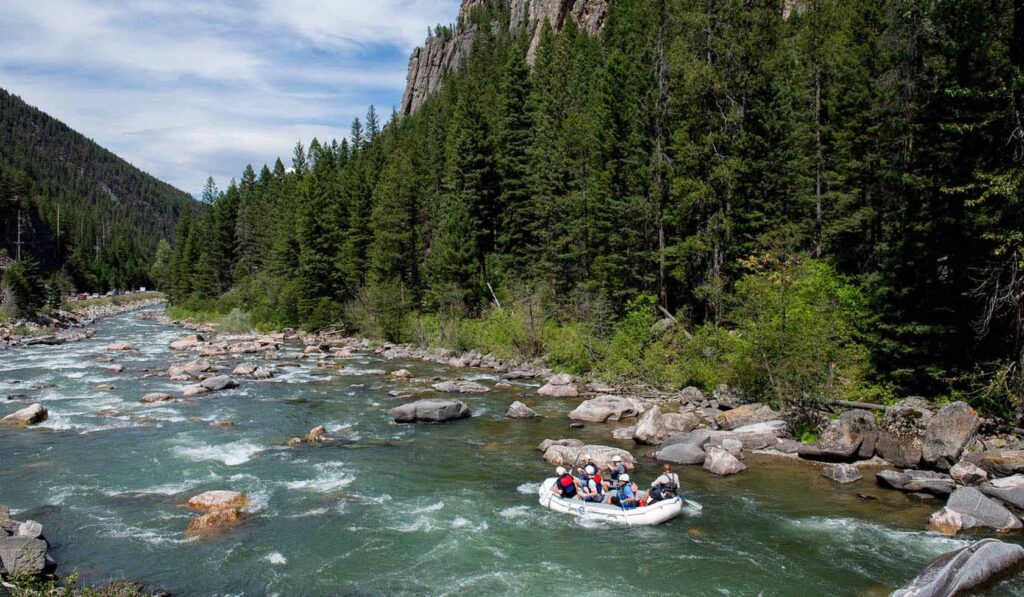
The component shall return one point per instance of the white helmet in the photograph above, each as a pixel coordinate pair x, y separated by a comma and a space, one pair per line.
624, 477
616, 458
560, 470
589, 469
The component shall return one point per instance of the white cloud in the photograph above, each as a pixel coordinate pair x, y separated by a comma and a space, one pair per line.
188, 88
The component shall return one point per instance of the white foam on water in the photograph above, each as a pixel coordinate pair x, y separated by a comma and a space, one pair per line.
872, 535
164, 489
528, 488
275, 558
330, 477
125, 531
426, 509
308, 513
463, 523
231, 454
515, 512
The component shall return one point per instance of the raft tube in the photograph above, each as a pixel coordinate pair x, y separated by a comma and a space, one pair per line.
656, 513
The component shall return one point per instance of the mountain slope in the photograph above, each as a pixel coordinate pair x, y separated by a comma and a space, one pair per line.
111, 214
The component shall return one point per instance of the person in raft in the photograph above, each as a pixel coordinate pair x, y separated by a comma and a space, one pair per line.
615, 470
625, 496
591, 485
665, 487
566, 485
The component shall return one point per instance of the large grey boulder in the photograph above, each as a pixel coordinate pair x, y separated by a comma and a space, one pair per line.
901, 436
1007, 489
947, 433
156, 397
722, 463
571, 442
747, 414
966, 473
461, 387
760, 435
681, 454
245, 369
518, 410
964, 568
691, 395
186, 342
430, 411
967, 508
998, 463
842, 473
607, 408
22, 555
654, 426
30, 415
917, 481
852, 436
567, 455
218, 383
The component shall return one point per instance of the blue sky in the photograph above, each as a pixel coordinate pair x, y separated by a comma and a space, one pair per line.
185, 89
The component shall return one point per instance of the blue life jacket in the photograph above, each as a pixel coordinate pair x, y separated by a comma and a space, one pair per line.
618, 470
626, 492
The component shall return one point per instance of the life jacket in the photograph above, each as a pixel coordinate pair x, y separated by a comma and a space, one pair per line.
566, 486
616, 471
626, 492
672, 486
599, 482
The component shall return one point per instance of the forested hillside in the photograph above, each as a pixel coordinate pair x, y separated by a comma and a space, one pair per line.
828, 203
111, 214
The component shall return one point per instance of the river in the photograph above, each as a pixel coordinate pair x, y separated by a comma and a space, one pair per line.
400, 509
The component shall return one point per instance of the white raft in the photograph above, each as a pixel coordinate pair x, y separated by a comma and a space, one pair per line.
656, 513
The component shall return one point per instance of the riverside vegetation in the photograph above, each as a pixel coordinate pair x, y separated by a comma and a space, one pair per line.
825, 196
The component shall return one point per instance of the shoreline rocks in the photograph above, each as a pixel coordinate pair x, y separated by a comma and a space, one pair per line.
967, 508
559, 386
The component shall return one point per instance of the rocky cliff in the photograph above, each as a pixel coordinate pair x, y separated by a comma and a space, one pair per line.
442, 53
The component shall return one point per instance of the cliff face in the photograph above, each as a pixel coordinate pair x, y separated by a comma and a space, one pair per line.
439, 55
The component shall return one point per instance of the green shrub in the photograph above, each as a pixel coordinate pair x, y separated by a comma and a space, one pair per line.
236, 322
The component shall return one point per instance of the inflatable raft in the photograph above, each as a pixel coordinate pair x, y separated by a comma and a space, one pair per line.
656, 513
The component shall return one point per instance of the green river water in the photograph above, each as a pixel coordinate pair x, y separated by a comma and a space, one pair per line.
401, 509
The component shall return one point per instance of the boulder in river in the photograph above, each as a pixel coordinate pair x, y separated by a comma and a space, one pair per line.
967, 508
842, 473
1007, 489
913, 481
901, 436
213, 522
244, 369
851, 436
186, 342
607, 408
722, 463
568, 455
571, 442
654, 426
948, 433
957, 571
121, 346
218, 383
760, 435
430, 411
559, 386
681, 454
998, 463
218, 500
156, 397
30, 415
747, 414
195, 390
263, 372
461, 387
22, 555
402, 374
245, 348
518, 410
691, 395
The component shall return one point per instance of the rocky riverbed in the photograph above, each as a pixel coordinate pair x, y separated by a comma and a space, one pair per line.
59, 327
319, 485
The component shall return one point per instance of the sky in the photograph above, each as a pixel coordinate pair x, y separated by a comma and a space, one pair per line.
186, 89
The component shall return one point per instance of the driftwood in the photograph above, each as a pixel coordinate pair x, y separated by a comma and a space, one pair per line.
686, 333
852, 404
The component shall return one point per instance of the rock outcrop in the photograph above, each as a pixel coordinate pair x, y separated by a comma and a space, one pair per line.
849, 437
967, 509
957, 571
948, 433
901, 436
444, 50
559, 454
654, 426
721, 462
607, 408
916, 481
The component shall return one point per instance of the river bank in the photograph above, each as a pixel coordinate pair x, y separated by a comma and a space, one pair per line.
69, 325
397, 508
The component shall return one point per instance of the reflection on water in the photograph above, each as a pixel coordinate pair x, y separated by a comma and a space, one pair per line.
446, 509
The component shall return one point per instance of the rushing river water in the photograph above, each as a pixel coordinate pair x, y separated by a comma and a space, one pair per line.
400, 509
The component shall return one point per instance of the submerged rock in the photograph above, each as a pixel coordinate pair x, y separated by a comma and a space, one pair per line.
30, 415
721, 462
967, 508
607, 408
213, 522
948, 433
842, 473
401, 374
430, 411
964, 568
915, 481
156, 397
518, 410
